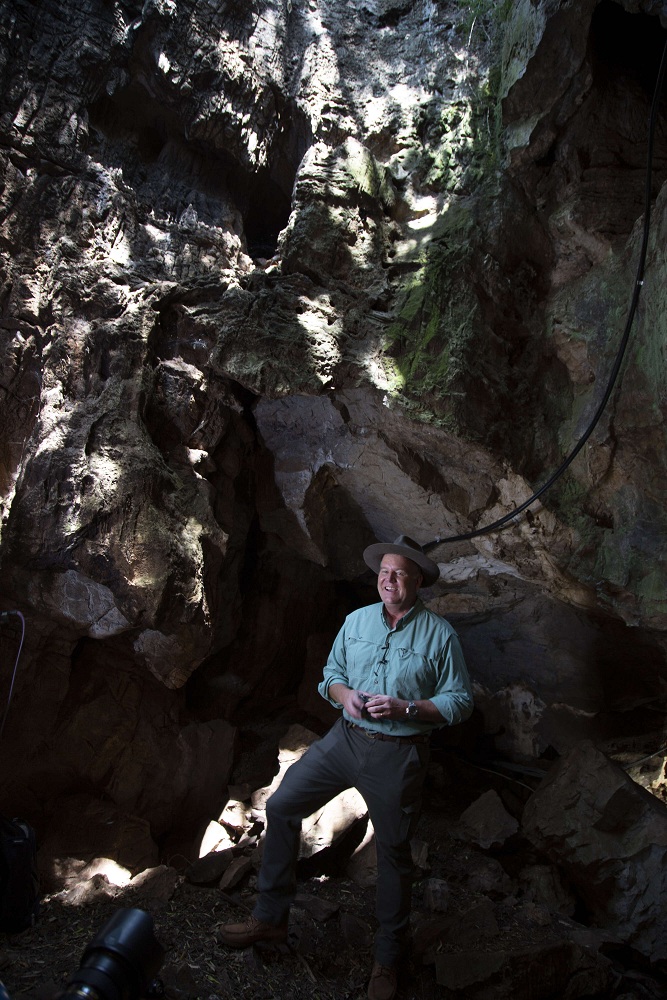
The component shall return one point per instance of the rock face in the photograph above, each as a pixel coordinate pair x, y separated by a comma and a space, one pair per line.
278, 280
609, 837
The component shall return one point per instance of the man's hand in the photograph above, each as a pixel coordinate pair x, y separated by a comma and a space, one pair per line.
352, 701
381, 706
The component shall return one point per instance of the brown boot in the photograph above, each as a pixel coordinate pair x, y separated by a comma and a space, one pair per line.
250, 932
383, 982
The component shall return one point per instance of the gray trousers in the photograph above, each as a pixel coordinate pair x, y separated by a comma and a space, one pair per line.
389, 775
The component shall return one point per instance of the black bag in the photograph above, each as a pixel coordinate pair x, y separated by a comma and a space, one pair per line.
19, 881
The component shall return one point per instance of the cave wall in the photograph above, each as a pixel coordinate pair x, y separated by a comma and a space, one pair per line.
281, 279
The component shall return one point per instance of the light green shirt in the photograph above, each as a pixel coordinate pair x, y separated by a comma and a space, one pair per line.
419, 658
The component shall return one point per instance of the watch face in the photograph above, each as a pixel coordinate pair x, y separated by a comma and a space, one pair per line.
412, 709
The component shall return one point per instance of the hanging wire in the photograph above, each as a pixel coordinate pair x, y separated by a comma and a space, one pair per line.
639, 281
4, 616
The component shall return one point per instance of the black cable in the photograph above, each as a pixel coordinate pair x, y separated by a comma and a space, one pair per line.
4, 617
501, 522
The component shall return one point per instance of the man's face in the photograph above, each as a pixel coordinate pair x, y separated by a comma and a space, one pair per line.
399, 580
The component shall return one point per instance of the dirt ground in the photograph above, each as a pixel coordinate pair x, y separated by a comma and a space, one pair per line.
329, 952
328, 955
324, 960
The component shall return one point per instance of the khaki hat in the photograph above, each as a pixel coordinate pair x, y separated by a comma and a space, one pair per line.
403, 546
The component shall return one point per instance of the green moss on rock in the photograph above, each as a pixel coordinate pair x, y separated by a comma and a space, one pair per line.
370, 177
435, 326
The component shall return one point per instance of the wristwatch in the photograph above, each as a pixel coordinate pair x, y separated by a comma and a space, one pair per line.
412, 711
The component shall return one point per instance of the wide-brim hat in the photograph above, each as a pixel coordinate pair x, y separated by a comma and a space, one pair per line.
403, 546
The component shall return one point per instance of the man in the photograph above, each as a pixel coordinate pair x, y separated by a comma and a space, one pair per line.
397, 671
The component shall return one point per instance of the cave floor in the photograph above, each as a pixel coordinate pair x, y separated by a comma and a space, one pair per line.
323, 960
329, 951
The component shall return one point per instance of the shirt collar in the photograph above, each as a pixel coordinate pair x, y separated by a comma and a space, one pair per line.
414, 610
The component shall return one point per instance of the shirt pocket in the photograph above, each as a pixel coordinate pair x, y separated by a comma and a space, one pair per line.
416, 675
361, 656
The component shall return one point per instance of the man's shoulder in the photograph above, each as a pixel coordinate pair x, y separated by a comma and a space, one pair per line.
435, 621
372, 611
365, 623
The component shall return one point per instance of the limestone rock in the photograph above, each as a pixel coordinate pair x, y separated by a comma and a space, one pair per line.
155, 886
487, 823
355, 932
557, 969
487, 876
609, 836
460, 930
88, 890
83, 829
236, 872
210, 868
362, 867
215, 840
436, 895
419, 850
543, 884
319, 909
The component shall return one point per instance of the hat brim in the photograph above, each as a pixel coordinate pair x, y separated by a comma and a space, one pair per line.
374, 553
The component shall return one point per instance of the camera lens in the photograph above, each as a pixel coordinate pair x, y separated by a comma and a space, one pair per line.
120, 961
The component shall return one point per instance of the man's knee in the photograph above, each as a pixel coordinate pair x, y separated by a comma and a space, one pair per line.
287, 804
275, 805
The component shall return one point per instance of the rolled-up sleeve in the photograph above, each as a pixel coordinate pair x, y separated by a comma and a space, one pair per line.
335, 671
453, 693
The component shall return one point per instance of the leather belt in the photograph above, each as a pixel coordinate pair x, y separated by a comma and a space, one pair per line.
373, 735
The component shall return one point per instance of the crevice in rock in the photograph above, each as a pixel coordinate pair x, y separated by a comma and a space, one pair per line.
148, 140
391, 17
625, 44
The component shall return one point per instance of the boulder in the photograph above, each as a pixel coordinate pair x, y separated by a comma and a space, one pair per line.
609, 837
556, 969
436, 895
486, 822
84, 829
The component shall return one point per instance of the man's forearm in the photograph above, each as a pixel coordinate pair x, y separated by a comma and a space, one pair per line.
337, 692
427, 712
349, 698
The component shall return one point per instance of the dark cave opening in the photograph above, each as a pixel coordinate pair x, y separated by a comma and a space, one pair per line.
267, 210
148, 141
626, 44
624, 54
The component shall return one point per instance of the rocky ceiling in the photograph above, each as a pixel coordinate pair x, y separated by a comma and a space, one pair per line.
278, 279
